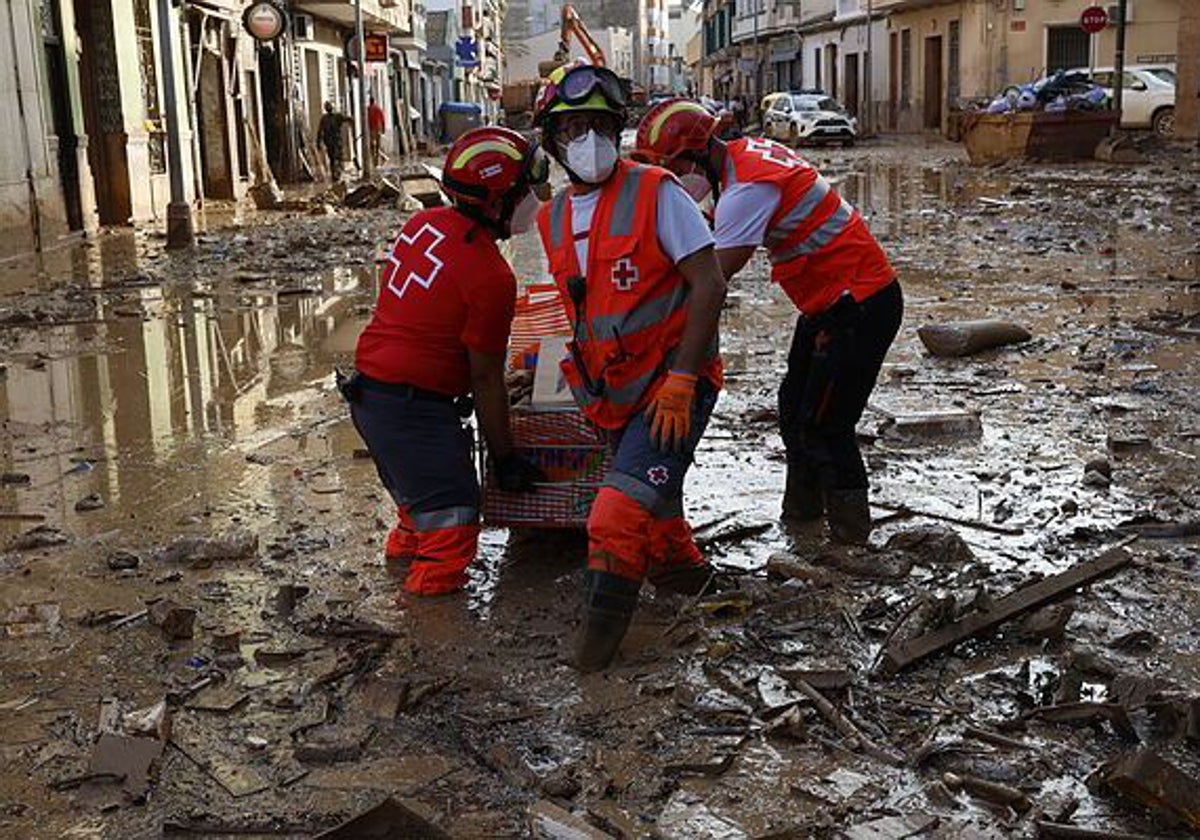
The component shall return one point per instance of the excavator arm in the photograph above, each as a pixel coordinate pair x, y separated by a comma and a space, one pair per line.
572, 24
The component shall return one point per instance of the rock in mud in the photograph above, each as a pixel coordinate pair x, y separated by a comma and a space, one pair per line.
92, 501
964, 338
43, 536
933, 545
1098, 464
30, 620
236, 545
175, 621
390, 818
122, 560
14, 478
1048, 622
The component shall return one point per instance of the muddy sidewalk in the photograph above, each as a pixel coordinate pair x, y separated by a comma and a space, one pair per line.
198, 638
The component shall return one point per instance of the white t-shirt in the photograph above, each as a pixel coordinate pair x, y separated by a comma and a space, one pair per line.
743, 213
682, 230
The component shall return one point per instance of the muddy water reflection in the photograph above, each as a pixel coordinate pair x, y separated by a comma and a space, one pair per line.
158, 373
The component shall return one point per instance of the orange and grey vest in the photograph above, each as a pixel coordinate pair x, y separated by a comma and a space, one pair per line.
818, 244
630, 317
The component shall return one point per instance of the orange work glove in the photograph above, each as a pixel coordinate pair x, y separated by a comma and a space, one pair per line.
670, 411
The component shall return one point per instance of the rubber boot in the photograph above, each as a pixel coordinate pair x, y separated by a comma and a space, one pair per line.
849, 515
608, 605
803, 500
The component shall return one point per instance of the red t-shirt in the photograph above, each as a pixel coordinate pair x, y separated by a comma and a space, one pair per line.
441, 294
375, 118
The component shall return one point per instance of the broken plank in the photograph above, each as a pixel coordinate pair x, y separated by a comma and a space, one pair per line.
902, 654
1061, 831
953, 520
547, 820
1145, 777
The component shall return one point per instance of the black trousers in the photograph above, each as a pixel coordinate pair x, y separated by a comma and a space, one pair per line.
832, 368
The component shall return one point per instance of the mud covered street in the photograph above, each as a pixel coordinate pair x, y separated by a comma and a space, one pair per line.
188, 518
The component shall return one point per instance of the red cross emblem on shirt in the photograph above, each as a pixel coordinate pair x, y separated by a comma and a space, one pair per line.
624, 274
770, 151
416, 262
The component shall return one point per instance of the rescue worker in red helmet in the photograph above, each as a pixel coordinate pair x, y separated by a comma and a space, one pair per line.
633, 260
829, 264
438, 334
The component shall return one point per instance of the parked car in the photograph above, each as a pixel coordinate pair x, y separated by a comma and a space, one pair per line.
1148, 95
797, 118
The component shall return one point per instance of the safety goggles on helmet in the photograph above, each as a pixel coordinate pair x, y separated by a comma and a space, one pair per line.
579, 83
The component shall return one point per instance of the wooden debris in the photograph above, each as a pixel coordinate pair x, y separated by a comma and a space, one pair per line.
550, 821
176, 622
892, 828
1061, 831
994, 792
953, 520
902, 654
843, 725
1150, 780
1086, 713
390, 818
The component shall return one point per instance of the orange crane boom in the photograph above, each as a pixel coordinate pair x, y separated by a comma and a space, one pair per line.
572, 25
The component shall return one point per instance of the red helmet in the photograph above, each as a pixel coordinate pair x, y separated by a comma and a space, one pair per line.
671, 128
491, 164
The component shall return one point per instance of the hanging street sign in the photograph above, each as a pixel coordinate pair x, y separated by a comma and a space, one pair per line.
377, 47
264, 21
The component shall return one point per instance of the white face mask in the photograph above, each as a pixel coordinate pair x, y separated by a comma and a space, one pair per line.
592, 157
525, 214
696, 185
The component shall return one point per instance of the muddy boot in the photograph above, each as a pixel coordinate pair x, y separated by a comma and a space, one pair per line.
686, 580
608, 604
849, 515
803, 500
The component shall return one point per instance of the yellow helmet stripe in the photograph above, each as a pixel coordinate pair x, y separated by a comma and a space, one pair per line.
669, 111
487, 146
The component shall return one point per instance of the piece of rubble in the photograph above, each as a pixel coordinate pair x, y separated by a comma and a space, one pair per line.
892, 828
989, 791
43, 536
17, 478
90, 502
1085, 713
126, 758
1150, 780
236, 545
547, 820
31, 620
1049, 622
924, 425
964, 338
903, 653
933, 545
391, 818
122, 560
176, 622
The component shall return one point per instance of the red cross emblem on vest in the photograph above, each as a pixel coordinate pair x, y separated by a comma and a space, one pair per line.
418, 258
624, 274
773, 152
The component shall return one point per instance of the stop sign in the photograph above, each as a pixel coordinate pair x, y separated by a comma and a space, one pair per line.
1093, 19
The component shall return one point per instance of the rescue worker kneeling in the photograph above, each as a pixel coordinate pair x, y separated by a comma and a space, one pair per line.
829, 264
438, 334
633, 260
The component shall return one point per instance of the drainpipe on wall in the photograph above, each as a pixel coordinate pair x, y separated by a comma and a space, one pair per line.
35, 213
1119, 65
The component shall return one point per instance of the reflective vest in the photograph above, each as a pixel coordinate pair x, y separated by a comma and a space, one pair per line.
629, 322
818, 244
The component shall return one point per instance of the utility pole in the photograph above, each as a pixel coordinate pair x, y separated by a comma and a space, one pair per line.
1119, 68
368, 166
180, 233
869, 116
757, 95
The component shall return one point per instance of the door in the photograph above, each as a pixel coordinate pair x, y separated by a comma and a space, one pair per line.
852, 95
103, 120
893, 79
832, 51
60, 108
933, 83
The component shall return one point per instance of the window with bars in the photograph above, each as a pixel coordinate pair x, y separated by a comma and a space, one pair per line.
144, 29
906, 67
953, 75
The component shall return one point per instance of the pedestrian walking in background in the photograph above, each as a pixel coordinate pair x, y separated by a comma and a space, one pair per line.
439, 334
376, 122
829, 264
633, 261
329, 135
